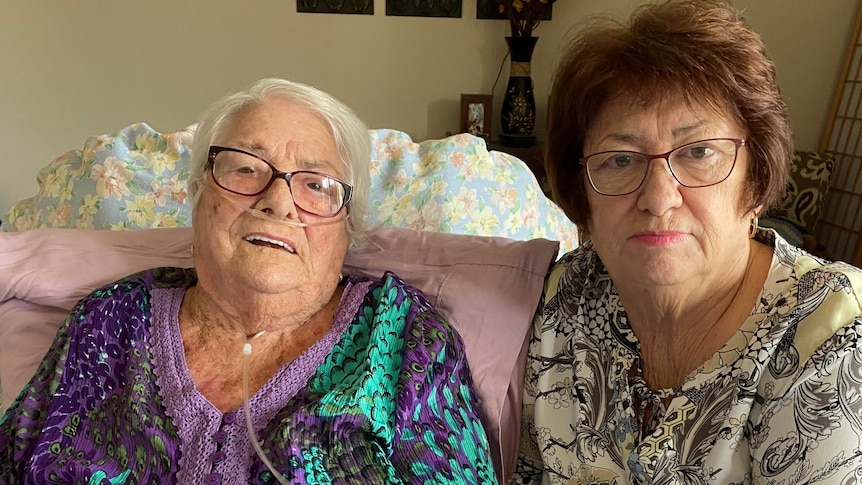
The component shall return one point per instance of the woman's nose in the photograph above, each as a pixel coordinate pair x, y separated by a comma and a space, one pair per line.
278, 199
660, 190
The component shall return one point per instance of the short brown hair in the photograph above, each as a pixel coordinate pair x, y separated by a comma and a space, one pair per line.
700, 50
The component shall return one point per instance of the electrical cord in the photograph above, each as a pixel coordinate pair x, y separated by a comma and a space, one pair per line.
500, 71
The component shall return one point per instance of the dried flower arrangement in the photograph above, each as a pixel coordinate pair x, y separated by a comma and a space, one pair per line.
524, 15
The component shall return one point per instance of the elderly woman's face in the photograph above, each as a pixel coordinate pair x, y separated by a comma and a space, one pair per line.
235, 247
664, 233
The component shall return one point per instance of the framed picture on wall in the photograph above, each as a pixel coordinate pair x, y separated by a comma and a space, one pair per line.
476, 114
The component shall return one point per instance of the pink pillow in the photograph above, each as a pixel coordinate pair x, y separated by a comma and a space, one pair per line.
44, 272
488, 287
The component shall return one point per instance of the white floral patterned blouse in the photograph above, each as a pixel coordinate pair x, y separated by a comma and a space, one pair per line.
780, 403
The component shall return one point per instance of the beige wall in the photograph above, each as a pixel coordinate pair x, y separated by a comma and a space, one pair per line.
76, 68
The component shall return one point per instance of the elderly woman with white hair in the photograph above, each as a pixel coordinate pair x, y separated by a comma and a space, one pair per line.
262, 364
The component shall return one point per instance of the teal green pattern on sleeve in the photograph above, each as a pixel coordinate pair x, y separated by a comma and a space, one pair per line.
399, 374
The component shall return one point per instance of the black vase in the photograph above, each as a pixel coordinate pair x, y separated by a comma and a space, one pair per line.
519, 104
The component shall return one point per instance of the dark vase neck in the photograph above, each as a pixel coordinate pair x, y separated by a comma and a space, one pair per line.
521, 48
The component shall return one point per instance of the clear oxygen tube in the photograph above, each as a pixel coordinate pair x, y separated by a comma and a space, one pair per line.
247, 347
320, 221
246, 356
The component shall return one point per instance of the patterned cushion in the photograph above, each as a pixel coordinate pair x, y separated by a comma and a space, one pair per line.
456, 185
810, 175
135, 178
788, 230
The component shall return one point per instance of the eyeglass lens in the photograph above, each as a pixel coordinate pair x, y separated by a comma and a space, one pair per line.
697, 164
245, 174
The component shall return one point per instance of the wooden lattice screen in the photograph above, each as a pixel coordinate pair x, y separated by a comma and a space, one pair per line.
840, 226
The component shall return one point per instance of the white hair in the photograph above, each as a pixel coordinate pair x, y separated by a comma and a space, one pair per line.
352, 140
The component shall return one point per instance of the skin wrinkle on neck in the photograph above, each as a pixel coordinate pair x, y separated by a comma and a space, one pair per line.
213, 350
670, 352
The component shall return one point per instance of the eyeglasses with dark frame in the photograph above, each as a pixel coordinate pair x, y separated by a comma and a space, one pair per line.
698, 164
244, 173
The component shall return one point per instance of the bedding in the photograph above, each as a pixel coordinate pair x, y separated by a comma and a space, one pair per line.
468, 226
488, 287
135, 178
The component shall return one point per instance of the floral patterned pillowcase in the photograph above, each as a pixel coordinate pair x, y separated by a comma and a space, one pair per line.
456, 185
136, 178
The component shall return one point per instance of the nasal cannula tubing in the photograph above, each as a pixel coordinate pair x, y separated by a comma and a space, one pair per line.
246, 355
321, 221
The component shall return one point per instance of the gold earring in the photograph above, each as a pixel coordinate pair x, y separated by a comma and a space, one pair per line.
752, 229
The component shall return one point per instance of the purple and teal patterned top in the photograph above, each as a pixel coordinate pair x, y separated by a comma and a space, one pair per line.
385, 397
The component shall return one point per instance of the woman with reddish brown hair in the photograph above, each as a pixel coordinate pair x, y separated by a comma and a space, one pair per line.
681, 343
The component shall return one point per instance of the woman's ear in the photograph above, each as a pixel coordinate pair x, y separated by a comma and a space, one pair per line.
194, 187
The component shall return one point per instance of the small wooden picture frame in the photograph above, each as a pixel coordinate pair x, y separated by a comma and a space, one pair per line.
476, 114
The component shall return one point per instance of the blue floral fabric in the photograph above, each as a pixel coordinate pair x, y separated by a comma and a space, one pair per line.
135, 178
